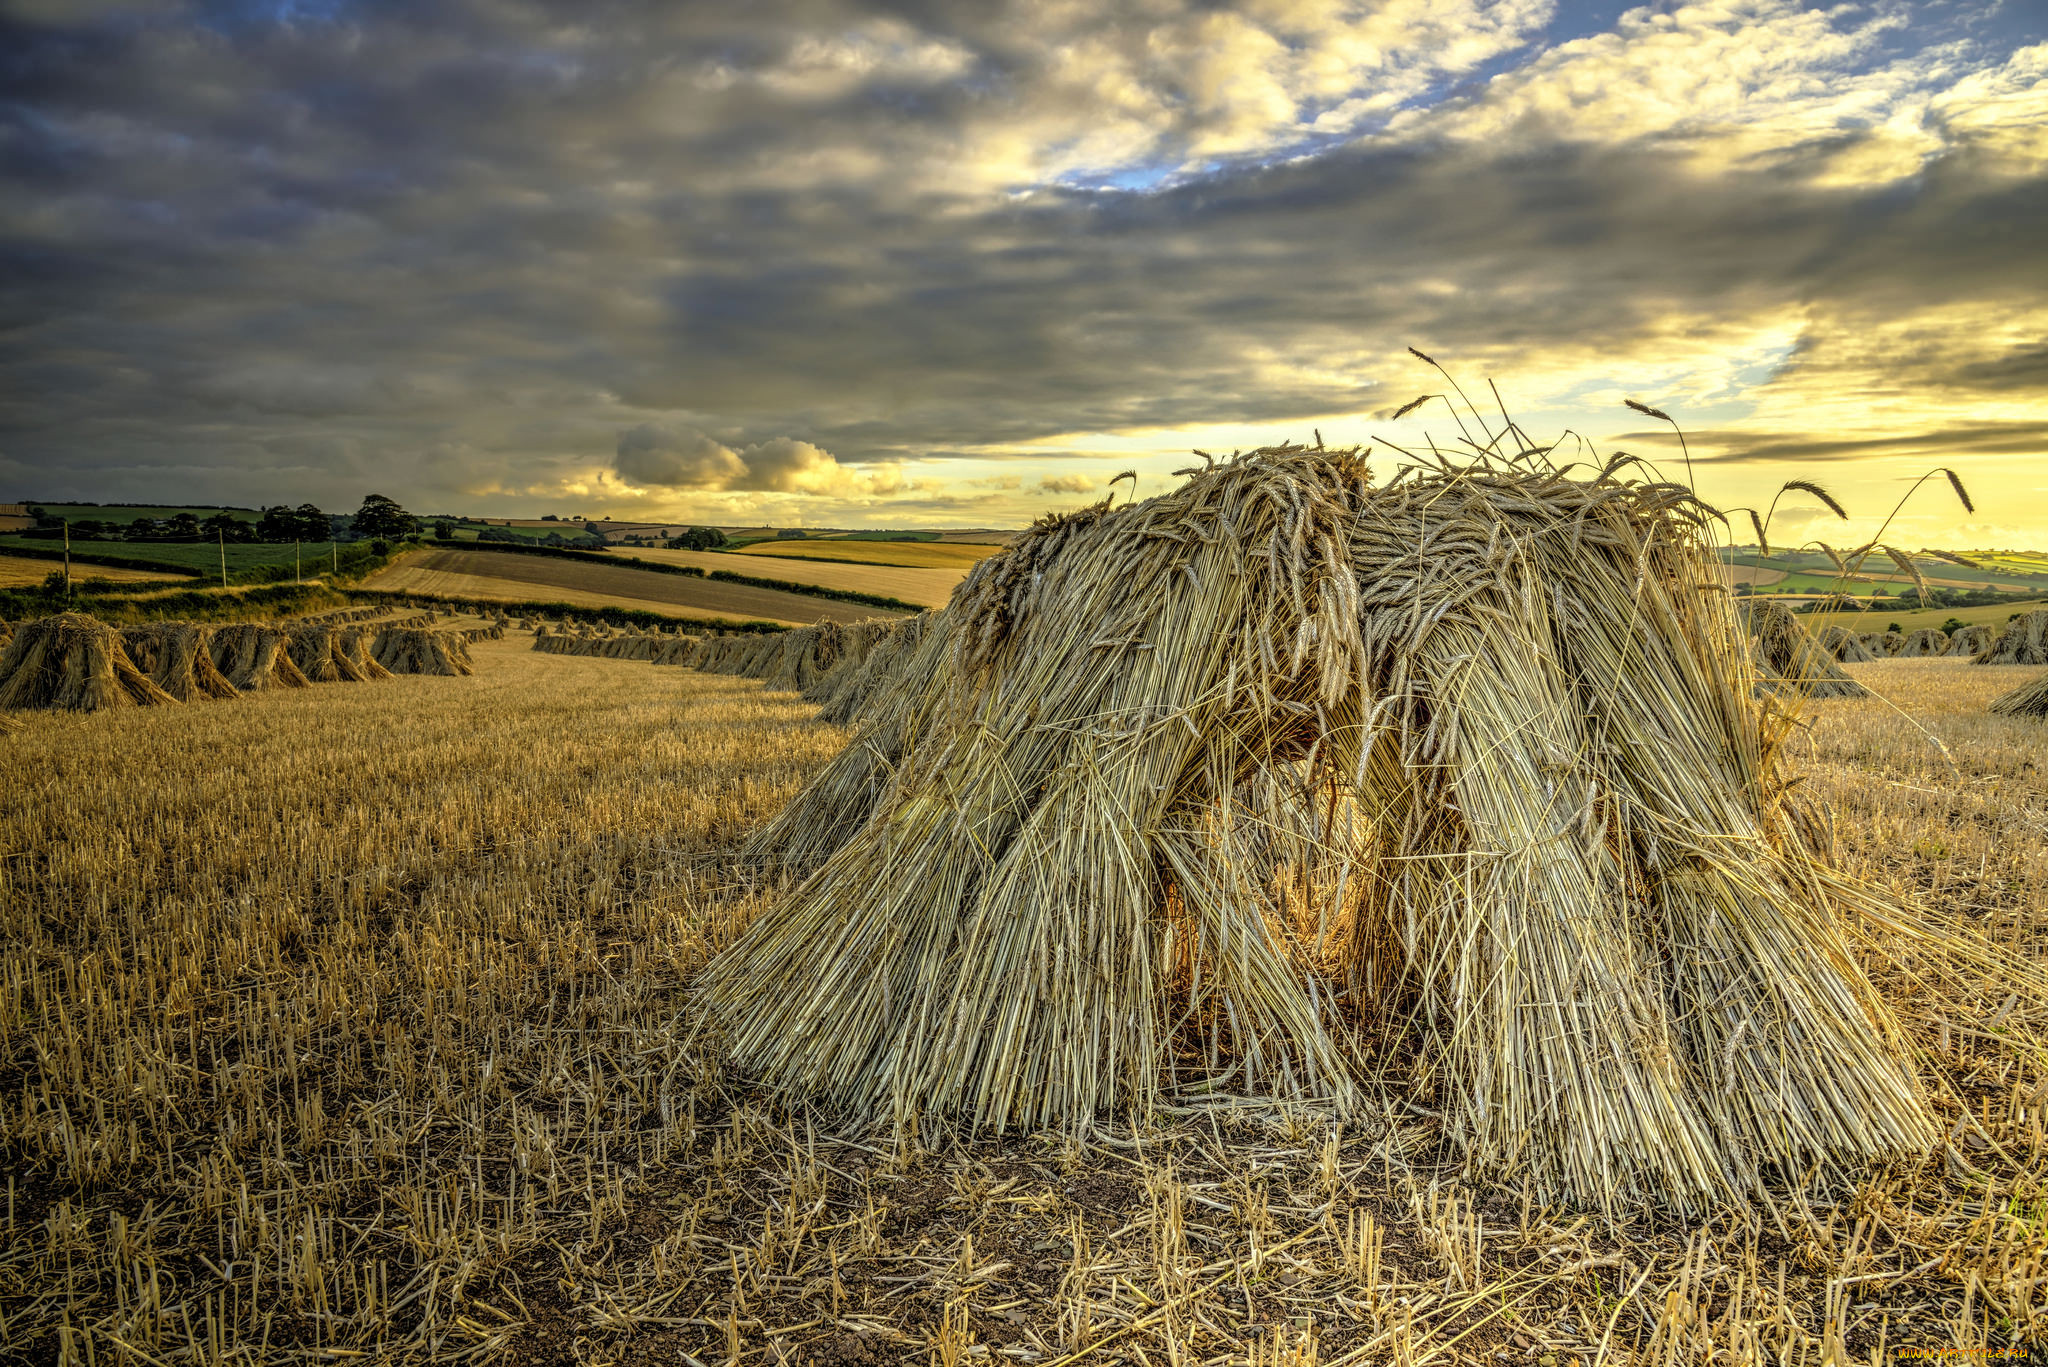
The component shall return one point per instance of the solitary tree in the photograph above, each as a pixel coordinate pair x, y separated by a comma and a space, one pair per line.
382, 518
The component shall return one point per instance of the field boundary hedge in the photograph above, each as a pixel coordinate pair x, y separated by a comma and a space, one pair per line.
197, 605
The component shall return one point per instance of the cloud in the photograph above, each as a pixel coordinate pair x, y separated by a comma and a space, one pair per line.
677, 460
687, 459
856, 256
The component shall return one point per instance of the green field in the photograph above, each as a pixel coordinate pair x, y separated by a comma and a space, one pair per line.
205, 557
1812, 572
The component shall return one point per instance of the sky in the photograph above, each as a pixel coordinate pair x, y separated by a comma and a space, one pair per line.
932, 263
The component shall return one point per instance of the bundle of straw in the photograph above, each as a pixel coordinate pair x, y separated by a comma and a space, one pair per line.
803, 657
853, 643
742, 653
1845, 645
848, 694
1891, 643
632, 647
2023, 642
72, 662
1789, 657
1499, 725
2028, 700
253, 657
1924, 643
178, 658
423, 650
1969, 641
357, 645
314, 647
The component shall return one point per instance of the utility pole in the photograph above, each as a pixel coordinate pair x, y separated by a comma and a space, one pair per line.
334, 556
67, 557
222, 535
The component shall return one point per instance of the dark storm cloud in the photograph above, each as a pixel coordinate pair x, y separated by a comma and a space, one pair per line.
487, 247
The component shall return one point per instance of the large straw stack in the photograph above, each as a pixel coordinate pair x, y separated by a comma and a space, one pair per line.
1183, 786
1969, 641
1790, 659
746, 653
631, 646
2023, 642
424, 650
178, 658
2028, 700
315, 647
74, 663
851, 694
804, 657
355, 644
1923, 644
1845, 645
253, 657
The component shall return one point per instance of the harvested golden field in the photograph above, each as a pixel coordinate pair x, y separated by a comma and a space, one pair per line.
1754, 575
909, 554
351, 1023
19, 570
926, 587
507, 578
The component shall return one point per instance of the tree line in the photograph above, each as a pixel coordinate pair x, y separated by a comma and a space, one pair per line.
379, 518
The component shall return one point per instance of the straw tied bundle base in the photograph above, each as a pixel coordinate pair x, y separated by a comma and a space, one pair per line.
1175, 796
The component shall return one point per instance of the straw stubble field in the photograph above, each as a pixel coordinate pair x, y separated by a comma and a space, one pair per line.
344, 1022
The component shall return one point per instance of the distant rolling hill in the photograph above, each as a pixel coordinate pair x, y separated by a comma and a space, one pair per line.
927, 585
924, 555
498, 576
